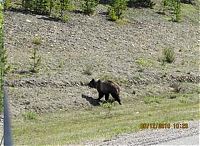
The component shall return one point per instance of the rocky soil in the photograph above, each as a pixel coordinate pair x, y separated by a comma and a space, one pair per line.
127, 53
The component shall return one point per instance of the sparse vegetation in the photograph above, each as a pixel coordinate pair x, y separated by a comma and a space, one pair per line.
152, 99
89, 6
177, 11
61, 63
63, 7
108, 106
168, 55
30, 116
40, 6
36, 61
51, 6
64, 18
7, 4
55, 9
37, 40
117, 9
141, 3
174, 8
143, 63
88, 70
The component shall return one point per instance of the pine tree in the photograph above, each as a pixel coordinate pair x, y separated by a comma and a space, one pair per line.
41, 6
117, 9
89, 6
51, 5
27, 4
63, 6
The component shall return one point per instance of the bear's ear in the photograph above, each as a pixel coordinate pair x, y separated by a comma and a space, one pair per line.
92, 80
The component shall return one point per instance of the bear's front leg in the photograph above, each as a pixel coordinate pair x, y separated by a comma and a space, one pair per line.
100, 95
106, 97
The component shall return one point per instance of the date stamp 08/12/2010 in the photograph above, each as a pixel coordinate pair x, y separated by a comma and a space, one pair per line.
163, 125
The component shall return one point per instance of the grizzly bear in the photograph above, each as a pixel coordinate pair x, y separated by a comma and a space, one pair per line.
106, 88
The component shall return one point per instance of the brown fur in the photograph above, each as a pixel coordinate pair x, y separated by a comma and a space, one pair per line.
106, 88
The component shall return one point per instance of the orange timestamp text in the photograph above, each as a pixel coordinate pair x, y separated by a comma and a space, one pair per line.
163, 125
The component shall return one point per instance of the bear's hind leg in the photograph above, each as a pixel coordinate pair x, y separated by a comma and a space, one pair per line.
116, 97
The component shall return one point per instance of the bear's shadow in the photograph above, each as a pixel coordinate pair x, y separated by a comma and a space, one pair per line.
91, 100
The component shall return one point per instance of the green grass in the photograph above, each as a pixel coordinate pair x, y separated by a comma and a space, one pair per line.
73, 127
190, 12
30, 116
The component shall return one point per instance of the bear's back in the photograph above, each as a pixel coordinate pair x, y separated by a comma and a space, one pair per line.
108, 87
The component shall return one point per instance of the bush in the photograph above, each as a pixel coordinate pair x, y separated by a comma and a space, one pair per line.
64, 18
168, 55
174, 6
7, 4
37, 40
141, 3
28, 4
177, 11
63, 6
116, 10
41, 6
188, 1
51, 6
112, 14
89, 6
36, 61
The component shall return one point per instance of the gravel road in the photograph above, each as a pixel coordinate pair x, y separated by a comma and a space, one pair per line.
151, 137
191, 140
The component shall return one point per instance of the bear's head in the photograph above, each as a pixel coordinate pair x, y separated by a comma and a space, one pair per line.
92, 84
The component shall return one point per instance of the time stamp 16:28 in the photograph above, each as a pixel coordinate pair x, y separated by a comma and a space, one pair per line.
163, 125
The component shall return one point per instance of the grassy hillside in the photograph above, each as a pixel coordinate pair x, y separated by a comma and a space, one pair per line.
153, 59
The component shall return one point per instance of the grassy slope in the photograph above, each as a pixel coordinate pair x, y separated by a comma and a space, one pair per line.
97, 123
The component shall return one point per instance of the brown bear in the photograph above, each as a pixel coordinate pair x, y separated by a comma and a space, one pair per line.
106, 88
